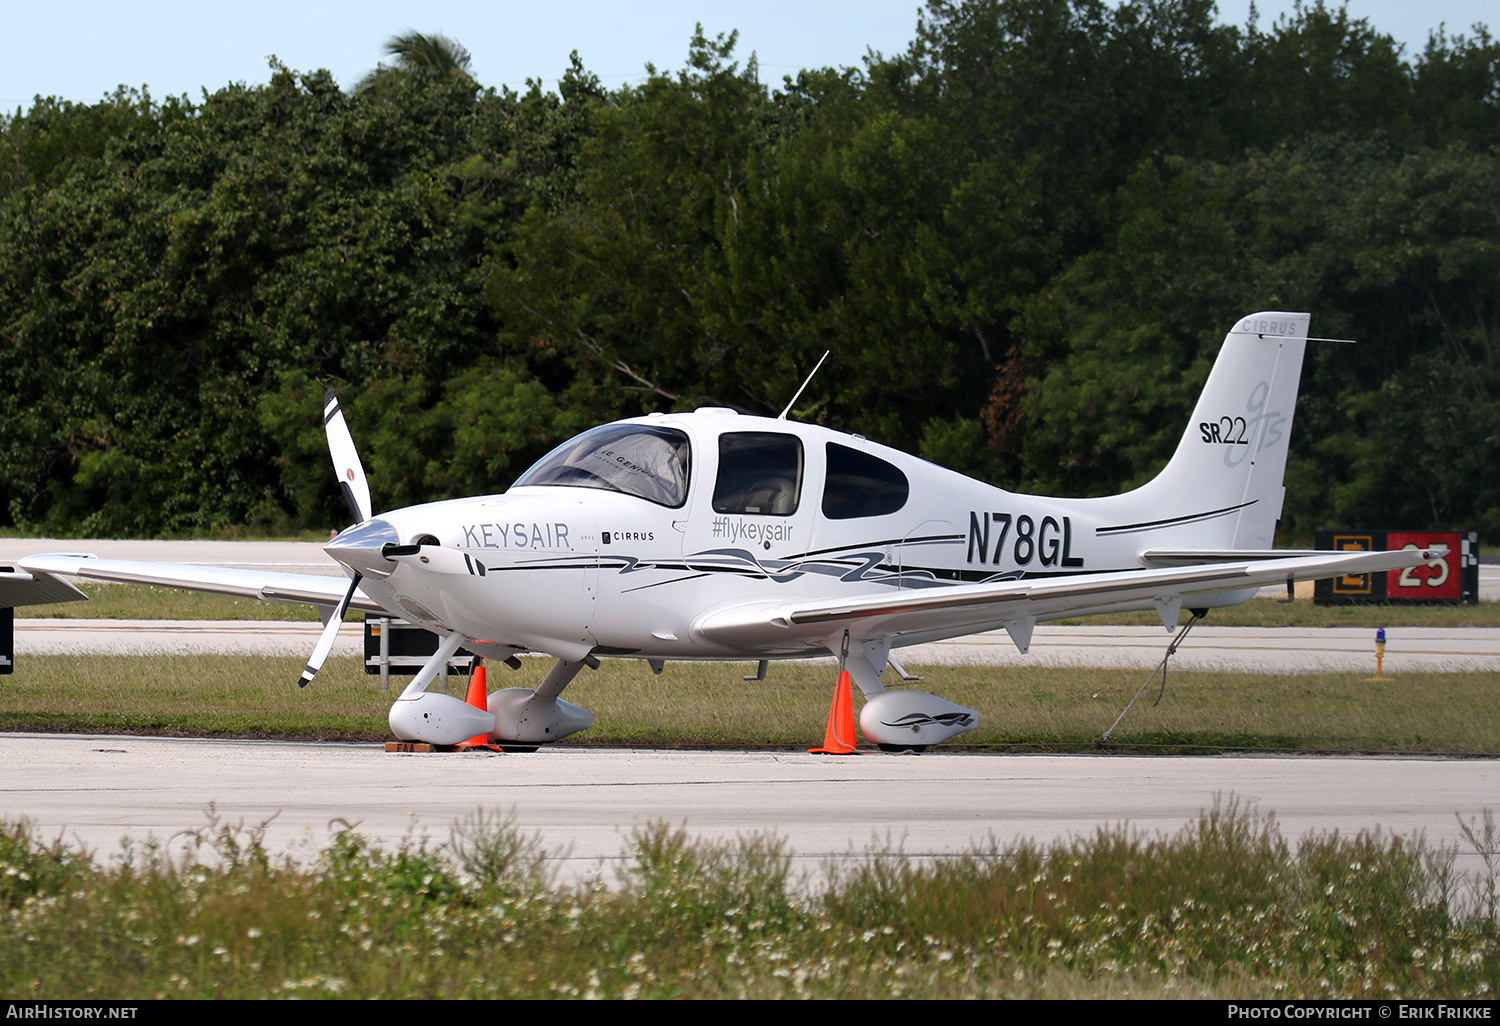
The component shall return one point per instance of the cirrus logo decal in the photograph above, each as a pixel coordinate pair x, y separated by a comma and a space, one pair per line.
606, 537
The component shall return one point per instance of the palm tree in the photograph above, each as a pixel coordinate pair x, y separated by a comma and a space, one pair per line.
417, 53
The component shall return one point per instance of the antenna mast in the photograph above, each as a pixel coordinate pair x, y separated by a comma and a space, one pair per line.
804, 386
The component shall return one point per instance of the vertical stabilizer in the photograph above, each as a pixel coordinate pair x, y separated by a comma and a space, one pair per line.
1227, 472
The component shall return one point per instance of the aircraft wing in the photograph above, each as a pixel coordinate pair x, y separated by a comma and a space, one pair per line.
1019, 604
257, 584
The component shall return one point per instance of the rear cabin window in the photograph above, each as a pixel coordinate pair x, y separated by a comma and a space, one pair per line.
760, 473
649, 462
861, 485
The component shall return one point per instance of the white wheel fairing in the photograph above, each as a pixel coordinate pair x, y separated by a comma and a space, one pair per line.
520, 714
913, 718
438, 719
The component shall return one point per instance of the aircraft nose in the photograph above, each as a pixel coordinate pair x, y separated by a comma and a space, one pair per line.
360, 548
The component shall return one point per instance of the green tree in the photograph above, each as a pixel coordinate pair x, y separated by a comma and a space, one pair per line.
1399, 251
43, 145
181, 276
1020, 239
612, 281
424, 56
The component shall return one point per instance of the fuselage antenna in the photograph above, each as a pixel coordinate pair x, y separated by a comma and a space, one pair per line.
804, 386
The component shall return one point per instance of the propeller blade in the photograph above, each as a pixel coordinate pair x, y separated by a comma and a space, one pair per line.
330, 632
351, 472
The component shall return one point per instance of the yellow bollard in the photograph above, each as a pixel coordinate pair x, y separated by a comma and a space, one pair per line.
1379, 655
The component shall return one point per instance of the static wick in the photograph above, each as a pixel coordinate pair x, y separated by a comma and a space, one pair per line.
1302, 338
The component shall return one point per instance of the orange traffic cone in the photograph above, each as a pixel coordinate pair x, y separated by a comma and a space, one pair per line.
838, 739
478, 699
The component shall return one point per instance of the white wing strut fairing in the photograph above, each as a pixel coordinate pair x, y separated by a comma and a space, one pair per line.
711, 535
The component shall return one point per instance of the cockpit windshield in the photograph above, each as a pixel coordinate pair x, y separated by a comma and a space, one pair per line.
651, 463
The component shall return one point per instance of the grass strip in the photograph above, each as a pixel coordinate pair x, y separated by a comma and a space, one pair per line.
1226, 908
708, 704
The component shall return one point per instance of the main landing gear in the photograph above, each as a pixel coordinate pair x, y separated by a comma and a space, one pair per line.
905, 720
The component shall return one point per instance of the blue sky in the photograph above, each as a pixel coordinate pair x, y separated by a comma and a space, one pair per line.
81, 49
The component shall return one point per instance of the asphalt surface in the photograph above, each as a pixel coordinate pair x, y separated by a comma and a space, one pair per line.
585, 802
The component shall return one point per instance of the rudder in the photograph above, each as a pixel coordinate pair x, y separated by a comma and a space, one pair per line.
1231, 460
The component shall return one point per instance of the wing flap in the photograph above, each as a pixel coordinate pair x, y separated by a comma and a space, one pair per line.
268, 586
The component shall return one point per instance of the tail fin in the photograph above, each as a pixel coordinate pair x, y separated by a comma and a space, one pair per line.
1229, 465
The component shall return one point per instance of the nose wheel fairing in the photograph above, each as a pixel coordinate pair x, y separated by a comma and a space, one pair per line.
438, 719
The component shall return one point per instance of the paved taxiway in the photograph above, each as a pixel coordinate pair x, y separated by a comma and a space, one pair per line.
98, 789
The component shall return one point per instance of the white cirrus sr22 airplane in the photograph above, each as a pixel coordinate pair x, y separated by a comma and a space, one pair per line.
713, 535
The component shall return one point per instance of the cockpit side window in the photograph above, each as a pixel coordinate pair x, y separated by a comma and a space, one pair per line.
651, 463
861, 485
760, 472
